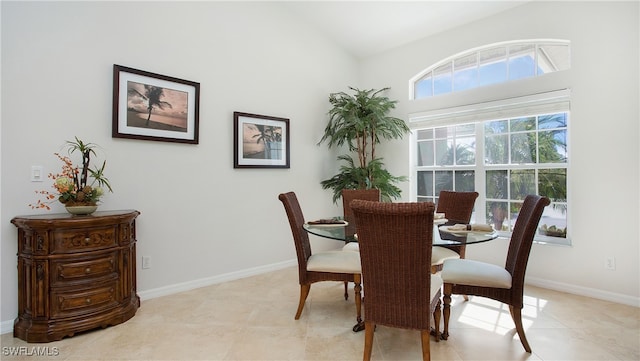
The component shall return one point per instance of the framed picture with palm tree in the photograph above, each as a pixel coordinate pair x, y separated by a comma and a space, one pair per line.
260, 141
156, 107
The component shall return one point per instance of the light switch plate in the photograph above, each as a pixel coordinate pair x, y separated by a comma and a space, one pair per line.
37, 173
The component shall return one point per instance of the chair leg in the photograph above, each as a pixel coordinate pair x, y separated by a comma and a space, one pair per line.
436, 321
425, 335
304, 292
446, 312
369, 328
358, 296
516, 314
462, 251
436, 268
346, 287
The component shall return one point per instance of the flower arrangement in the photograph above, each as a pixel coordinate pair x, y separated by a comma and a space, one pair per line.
72, 184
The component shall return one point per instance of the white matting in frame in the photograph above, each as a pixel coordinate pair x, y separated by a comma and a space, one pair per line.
156, 107
260, 141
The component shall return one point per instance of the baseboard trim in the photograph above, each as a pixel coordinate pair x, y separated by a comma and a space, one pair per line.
7, 326
203, 282
584, 291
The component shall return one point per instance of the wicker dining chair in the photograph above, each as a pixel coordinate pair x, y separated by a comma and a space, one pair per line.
395, 251
506, 285
320, 266
457, 207
349, 195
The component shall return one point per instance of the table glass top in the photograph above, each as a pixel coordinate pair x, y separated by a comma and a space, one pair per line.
440, 238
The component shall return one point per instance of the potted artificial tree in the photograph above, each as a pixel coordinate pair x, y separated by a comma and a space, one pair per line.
361, 121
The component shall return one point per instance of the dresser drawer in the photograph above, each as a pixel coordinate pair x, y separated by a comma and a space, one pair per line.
76, 301
82, 240
84, 269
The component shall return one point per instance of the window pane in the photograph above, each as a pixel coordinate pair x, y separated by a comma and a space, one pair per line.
497, 182
442, 79
496, 127
522, 124
465, 74
551, 121
444, 152
521, 61
424, 87
497, 215
493, 66
466, 129
466, 151
552, 183
425, 183
523, 182
444, 181
425, 134
496, 149
553, 222
425, 153
553, 58
465, 181
444, 132
523, 148
552, 146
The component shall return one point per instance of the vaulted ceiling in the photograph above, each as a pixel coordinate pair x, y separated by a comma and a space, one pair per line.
366, 28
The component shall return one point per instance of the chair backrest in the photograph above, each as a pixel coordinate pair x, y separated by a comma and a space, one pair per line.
457, 206
349, 195
395, 251
522, 239
300, 236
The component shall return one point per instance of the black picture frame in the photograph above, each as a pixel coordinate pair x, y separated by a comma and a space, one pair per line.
260, 141
173, 116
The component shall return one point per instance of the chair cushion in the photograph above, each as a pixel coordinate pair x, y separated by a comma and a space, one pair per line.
441, 254
436, 283
475, 273
352, 246
335, 262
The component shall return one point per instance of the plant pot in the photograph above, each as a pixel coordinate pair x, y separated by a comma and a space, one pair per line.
81, 210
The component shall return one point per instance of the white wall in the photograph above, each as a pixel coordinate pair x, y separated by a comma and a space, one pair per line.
200, 218
604, 135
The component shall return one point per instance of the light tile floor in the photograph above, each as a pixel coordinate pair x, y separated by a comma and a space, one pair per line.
252, 319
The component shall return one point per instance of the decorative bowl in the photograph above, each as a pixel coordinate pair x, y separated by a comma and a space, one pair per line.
81, 210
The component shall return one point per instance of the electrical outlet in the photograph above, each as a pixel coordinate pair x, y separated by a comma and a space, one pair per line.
146, 262
610, 263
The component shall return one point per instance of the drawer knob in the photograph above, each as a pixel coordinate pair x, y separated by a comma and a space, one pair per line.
88, 300
87, 270
87, 240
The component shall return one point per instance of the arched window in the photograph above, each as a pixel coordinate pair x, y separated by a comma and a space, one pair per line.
504, 143
492, 64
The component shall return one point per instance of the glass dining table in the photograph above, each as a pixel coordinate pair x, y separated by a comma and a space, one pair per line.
346, 232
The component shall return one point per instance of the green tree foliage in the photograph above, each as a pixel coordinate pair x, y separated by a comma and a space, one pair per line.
360, 121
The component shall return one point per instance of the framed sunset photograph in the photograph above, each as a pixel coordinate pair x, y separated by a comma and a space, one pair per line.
156, 107
260, 141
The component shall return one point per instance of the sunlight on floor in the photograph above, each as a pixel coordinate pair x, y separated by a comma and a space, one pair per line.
494, 316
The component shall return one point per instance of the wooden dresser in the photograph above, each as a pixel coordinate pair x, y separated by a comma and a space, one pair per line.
75, 273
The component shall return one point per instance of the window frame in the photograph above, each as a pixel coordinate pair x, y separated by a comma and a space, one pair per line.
539, 48
538, 104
